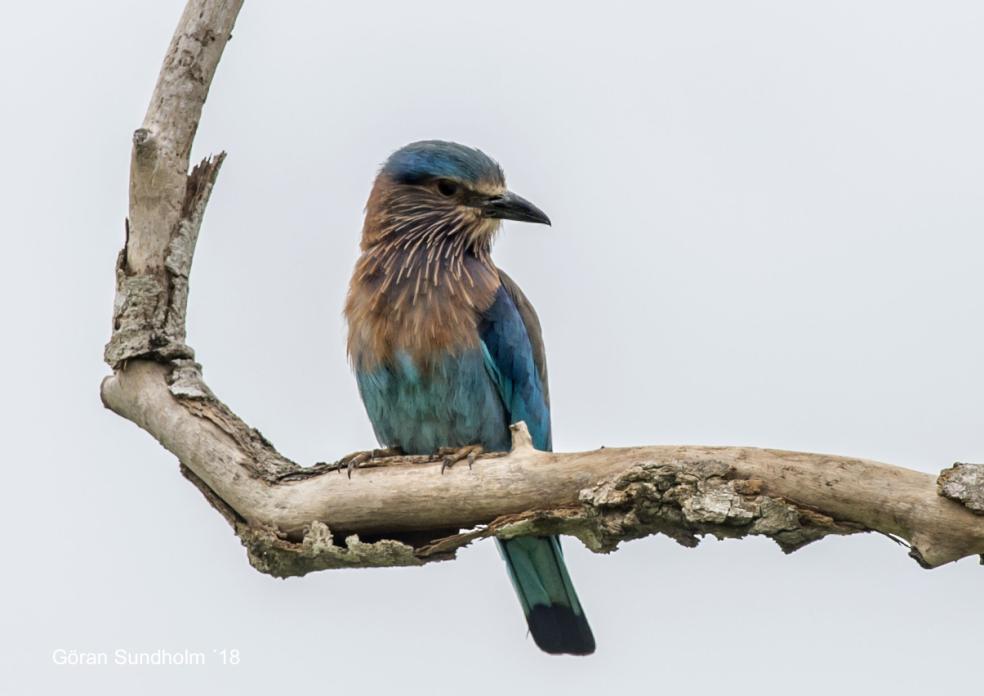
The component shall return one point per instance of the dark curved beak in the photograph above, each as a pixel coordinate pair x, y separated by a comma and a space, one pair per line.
509, 206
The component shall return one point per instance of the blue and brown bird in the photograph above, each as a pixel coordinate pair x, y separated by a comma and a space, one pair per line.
448, 351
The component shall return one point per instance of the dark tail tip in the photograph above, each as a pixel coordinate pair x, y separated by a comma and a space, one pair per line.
559, 631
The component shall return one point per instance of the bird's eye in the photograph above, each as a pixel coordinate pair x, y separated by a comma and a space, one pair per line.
446, 187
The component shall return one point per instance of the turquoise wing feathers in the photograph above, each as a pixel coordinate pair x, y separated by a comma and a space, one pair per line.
515, 358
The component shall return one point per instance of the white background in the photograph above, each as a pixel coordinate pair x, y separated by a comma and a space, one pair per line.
767, 231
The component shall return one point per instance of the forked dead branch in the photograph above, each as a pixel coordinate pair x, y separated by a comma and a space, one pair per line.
403, 511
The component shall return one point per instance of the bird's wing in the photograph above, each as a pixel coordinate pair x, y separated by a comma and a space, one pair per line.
532, 323
515, 358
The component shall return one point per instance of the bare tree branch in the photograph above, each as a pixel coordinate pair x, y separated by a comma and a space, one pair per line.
166, 203
402, 510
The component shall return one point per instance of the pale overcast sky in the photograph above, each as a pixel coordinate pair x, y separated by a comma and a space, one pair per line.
767, 231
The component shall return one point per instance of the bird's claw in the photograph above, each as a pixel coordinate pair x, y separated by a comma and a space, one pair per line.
352, 461
452, 455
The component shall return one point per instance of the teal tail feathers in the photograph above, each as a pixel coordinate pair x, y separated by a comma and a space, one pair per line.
553, 612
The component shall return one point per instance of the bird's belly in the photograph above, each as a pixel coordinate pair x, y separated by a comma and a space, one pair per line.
451, 403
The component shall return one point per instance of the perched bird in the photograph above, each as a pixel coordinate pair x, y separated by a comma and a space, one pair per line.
447, 350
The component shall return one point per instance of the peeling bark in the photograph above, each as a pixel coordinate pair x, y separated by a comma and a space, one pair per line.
403, 510
150, 307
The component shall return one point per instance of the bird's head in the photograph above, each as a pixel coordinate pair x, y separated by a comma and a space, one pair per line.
434, 189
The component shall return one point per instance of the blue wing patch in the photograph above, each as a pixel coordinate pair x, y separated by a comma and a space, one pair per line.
511, 364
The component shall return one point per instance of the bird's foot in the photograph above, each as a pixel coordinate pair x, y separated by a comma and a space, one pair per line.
452, 455
357, 459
